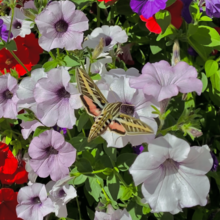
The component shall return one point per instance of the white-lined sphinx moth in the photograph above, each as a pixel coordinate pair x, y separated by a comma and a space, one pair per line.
107, 115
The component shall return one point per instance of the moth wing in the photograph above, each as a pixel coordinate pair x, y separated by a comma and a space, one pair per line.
117, 127
133, 126
91, 97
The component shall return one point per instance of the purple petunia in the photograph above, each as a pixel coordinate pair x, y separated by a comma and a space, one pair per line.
61, 26
33, 202
51, 155
8, 97
213, 8
147, 8
3, 31
56, 99
185, 11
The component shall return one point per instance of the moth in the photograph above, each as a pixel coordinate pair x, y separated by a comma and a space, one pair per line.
107, 115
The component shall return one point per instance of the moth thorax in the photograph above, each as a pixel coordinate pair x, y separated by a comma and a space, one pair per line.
127, 109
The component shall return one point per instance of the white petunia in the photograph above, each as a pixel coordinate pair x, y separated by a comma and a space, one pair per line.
20, 27
111, 34
173, 174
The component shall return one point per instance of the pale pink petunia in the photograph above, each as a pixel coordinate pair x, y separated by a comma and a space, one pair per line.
173, 174
111, 34
57, 99
61, 26
8, 97
33, 202
51, 155
112, 214
164, 81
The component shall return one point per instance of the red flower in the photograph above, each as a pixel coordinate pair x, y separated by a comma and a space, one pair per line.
10, 170
8, 202
152, 24
28, 51
109, 2
176, 19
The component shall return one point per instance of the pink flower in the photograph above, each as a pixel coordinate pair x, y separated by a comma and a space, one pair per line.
61, 26
164, 81
56, 99
8, 97
51, 155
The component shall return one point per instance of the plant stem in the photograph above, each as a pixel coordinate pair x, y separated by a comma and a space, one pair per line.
77, 201
58, 52
19, 61
120, 178
98, 16
52, 56
68, 132
105, 194
12, 17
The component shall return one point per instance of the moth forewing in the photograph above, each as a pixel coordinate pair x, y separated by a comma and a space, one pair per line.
133, 126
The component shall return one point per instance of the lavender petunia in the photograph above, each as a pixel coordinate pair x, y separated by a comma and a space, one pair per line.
61, 26
8, 97
171, 173
147, 8
60, 196
111, 34
33, 202
213, 8
162, 81
185, 11
3, 31
51, 155
56, 99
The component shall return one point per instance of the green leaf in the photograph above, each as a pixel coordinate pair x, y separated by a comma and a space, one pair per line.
16, 147
167, 216
93, 187
168, 32
125, 193
25, 117
170, 2
155, 49
111, 152
8, 134
11, 45
210, 37
113, 186
90, 213
69, 62
204, 82
124, 161
50, 65
40, 130
211, 67
83, 165
163, 18
215, 80
96, 77
134, 210
192, 29
205, 18
84, 117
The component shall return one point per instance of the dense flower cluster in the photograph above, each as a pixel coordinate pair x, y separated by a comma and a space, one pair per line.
99, 115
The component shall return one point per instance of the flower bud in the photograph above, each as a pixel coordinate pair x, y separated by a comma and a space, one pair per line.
176, 53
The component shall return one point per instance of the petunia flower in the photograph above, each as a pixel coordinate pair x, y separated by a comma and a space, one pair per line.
33, 202
147, 8
215, 162
124, 53
8, 202
213, 8
20, 27
173, 174
25, 91
51, 155
56, 99
186, 12
8, 97
151, 24
3, 31
60, 196
61, 26
112, 214
162, 81
111, 34
120, 91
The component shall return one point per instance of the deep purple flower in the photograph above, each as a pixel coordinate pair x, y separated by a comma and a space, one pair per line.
51, 155
147, 8
33, 202
57, 128
213, 8
215, 162
186, 12
138, 149
192, 52
3, 31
